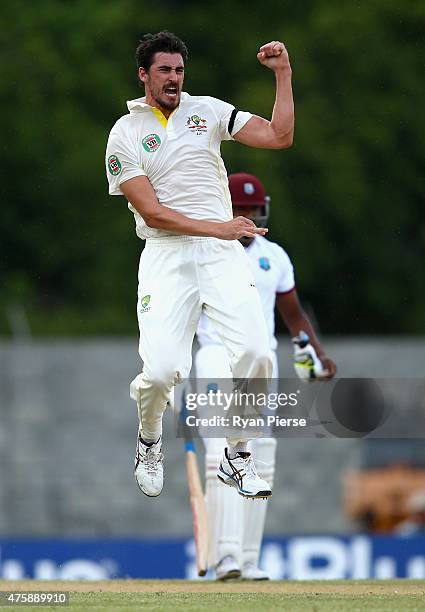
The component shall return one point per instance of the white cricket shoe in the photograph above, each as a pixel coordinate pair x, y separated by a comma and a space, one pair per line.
240, 473
148, 467
227, 569
250, 571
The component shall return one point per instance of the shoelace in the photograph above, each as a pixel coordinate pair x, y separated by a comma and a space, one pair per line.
250, 468
151, 460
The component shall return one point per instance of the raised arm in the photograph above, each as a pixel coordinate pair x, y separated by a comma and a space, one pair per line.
279, 132
140, 193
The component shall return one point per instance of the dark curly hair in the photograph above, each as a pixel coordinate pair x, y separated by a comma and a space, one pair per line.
164, 41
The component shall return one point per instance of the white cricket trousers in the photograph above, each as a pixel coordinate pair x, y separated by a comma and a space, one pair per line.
179, 277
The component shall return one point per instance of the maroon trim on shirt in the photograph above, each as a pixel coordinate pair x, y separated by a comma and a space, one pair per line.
286, 292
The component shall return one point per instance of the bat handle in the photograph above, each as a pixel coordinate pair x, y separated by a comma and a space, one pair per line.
189, 446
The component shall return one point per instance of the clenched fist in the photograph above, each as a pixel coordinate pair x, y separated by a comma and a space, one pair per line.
274, 55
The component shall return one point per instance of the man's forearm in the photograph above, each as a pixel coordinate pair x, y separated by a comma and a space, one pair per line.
283, 118
297, 322
172, 221
140, 193
278, 133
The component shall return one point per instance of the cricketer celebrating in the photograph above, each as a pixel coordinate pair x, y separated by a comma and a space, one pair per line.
164, 157
235, 525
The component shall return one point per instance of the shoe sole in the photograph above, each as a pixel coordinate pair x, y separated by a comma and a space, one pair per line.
231, 483
230, 575
255, 579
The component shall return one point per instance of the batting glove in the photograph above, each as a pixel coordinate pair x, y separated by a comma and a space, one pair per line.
306, 362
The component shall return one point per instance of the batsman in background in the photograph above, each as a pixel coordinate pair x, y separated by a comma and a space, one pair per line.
236, 525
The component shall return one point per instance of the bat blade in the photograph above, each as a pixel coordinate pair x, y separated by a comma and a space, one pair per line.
199, 510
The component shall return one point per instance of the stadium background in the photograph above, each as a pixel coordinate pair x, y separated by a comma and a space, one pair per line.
347, 204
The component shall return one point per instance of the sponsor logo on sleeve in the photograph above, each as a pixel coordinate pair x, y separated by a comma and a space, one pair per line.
151, 143
114, 165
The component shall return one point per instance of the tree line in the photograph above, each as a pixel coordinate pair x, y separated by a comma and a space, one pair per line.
347, 198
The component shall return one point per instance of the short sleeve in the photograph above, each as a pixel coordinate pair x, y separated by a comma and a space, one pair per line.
121, 159
230, 119
286, 278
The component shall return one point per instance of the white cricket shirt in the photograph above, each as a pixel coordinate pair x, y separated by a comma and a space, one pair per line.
273, 273
181, 156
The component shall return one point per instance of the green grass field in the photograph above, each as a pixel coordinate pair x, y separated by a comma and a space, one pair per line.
172, 595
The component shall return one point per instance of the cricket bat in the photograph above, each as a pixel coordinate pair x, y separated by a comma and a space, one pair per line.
199, 509
197, 499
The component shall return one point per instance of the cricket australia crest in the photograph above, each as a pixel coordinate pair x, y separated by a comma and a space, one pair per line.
196, 124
